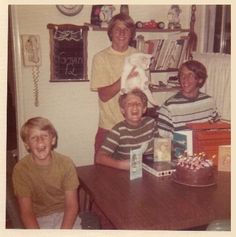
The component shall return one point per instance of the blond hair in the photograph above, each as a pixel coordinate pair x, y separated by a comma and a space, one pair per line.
40, 123
137, 92
128, 21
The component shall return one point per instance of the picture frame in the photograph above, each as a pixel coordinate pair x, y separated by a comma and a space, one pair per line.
68, 53
224, 158
162, 149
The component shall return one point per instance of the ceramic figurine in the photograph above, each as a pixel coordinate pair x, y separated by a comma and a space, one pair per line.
105, 14
173, 17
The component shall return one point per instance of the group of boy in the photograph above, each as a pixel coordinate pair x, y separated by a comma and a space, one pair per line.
114, 136
46, 182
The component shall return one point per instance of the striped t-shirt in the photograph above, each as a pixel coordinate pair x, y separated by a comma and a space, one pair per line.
179, 110
123, 138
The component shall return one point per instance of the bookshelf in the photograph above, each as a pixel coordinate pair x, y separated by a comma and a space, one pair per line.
188, 42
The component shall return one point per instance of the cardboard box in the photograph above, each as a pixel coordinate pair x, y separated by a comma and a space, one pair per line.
207, 137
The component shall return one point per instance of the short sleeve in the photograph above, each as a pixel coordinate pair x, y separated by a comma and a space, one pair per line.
71, 180
21, 182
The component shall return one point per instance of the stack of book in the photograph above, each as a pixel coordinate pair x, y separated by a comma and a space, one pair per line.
167, 53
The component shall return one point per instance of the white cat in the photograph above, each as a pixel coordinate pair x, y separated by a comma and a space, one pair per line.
141, 61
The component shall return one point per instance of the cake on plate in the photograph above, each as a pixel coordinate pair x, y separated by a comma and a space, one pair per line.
194, 170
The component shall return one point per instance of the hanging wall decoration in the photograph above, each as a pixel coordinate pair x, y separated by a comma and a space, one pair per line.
70, 10
68, 52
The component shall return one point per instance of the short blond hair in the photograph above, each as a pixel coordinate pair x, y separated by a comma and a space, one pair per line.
40, 123
128, 21
137, 92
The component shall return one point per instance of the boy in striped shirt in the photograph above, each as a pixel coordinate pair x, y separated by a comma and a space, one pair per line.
189, 105
128, 134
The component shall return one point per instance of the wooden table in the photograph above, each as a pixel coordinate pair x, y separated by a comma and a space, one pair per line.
155, 203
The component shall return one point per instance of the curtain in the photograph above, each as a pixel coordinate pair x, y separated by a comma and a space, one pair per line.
218, 83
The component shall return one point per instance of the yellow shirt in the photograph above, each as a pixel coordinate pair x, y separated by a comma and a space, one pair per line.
107, 67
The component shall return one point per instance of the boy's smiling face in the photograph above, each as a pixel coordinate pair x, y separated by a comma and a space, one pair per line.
133, 109
189, 83
121, 35
40, 144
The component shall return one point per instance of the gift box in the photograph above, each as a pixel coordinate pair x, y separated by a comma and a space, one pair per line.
207, 137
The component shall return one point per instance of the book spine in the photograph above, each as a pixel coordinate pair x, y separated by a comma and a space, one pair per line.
171, 59
162, 54
158, 45
168, 54
177, 53
183, 53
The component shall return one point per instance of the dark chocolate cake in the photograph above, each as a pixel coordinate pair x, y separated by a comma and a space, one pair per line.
194, 170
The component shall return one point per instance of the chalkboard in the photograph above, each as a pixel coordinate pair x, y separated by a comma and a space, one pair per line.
68, 52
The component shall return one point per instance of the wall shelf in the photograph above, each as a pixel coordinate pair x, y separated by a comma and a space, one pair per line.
167, 70
98, 28
164, 89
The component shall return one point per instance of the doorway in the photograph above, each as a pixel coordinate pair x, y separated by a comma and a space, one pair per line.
11, 103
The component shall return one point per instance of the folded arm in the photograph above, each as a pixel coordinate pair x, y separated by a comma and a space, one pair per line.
104, 158
107, 92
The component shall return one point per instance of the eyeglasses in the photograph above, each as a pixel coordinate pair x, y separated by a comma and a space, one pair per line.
118, 30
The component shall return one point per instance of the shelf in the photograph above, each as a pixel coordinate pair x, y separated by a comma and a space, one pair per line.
98, 28
167, 70
161, 30
164, 89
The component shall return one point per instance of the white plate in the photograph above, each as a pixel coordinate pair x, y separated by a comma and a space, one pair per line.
70, 10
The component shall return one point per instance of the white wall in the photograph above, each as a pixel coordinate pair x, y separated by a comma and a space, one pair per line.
71, 106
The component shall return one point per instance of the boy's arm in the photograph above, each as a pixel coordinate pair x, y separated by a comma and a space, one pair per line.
71, 209
108, 92
27, 215
104, 158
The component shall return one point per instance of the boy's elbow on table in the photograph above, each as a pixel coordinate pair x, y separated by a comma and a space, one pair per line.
103, 158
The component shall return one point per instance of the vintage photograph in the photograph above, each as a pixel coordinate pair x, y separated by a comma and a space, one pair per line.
91, 92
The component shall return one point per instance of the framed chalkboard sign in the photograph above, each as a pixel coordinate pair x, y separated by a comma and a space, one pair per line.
68, 52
